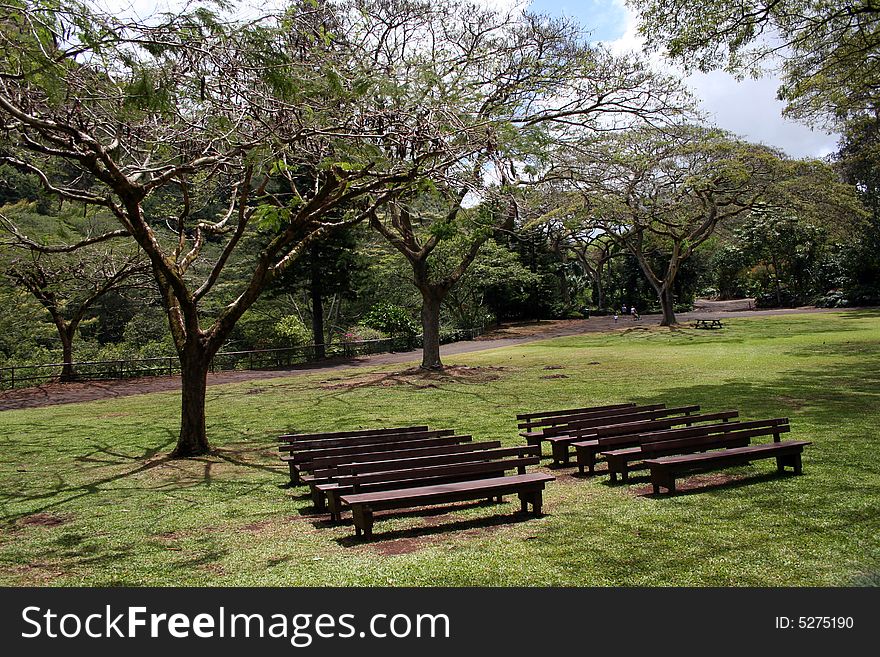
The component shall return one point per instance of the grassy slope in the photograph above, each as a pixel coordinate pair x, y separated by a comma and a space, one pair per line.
126, 515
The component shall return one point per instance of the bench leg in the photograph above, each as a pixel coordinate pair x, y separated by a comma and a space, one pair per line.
624, 473
560, 454
612, 474
537, 502
334, 505
363, 520
789, 460
661, 478
294, 474
535, 498
535, 442
318, 500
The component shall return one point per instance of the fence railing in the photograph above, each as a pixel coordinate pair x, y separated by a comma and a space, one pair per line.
23, 376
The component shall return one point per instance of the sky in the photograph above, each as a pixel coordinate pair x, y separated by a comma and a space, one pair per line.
748, 108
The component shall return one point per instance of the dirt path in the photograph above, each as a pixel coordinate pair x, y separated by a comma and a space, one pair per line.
506, 336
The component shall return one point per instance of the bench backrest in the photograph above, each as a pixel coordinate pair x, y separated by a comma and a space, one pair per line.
329, 464
585, 427
569, 411
549, 418
627, 434
549, 423
304, 458
709, 429
325, 443
715, 441
389, 465
295, 437
439, 473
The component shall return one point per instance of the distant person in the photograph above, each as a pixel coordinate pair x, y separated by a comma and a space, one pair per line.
635, 314
615, 318
623, 310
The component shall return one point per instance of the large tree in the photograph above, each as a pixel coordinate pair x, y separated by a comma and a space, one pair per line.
526, 82
188, 107
69, 280
827, 49
661, 195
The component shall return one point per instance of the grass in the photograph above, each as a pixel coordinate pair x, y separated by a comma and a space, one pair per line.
89, 498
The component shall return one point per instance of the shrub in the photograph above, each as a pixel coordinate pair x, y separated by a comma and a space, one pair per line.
291, 331
391, 319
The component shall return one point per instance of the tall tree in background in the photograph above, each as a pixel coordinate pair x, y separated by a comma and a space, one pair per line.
526, 83
859, 162
828, 49
68, 282
660, 195
193, 105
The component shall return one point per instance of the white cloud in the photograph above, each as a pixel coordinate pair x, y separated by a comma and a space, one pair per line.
748, 108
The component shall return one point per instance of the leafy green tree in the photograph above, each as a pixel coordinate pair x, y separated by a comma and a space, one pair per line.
660, 195
514, 84
68, 283
496, 280
859, 162
198, 107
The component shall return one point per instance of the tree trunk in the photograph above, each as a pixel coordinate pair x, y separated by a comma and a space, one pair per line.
565, 293
668, 306
68, 373
776, 281
193, 440
317, 309
600, 289
431, 300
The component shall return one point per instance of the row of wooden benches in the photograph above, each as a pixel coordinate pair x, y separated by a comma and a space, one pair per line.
405, 467
670, 442
367, 470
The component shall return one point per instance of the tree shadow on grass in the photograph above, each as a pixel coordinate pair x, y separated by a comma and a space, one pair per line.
828, 395
178, 475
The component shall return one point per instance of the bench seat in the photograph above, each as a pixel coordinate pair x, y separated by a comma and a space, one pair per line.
665, 470
529, 487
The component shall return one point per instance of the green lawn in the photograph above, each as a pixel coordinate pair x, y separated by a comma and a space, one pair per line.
88, 497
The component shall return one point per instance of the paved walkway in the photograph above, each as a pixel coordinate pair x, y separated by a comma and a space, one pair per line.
507, 336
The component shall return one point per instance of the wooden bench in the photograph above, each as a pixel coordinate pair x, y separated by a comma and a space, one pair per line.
559, 425
299, 461
404, 473
323, 473
531, 421
624, 435
529, 487
708, 324
687, 441
665, 470
293, 437
578, 430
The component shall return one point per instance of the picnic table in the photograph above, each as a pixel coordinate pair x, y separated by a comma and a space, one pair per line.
708, 324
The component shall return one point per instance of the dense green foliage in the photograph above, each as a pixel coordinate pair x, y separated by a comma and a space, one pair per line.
88, 498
